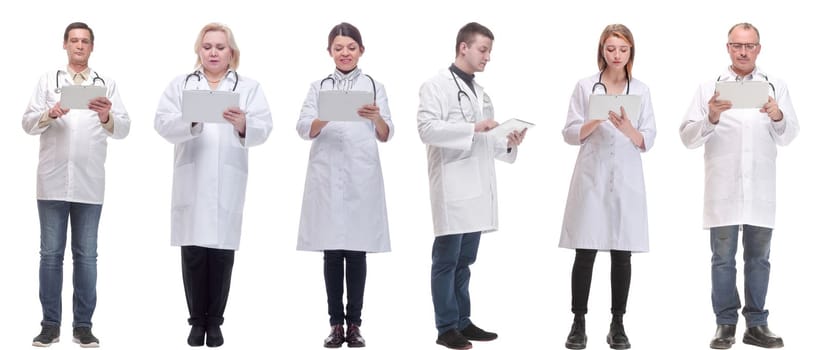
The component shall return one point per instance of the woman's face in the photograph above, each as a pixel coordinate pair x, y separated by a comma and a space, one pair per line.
346, 52
215, 52
616, 52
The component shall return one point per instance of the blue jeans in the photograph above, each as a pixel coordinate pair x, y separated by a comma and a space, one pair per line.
450, 258
756, 242
54, 218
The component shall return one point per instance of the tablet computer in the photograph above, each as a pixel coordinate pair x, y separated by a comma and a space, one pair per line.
743, 94
600, 105
207, 105
78, 96
339, 105
510, 125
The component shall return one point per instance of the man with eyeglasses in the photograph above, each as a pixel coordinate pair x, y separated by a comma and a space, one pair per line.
740, 171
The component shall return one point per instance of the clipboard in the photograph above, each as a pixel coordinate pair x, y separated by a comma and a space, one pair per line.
743, 94
78, 96
339, 105
600, 105
502, 130
207, 105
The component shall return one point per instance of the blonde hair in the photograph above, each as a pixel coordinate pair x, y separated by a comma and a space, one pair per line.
211, 27
619, 31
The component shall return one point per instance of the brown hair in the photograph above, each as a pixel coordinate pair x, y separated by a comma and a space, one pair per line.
619, 31
468, 33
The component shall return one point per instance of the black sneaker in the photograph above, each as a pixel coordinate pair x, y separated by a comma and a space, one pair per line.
214, 336
48, 335
83, 336
452, 339
472, 332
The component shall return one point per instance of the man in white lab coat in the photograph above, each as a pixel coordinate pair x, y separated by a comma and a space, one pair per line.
740, 171
71, 181
453, 119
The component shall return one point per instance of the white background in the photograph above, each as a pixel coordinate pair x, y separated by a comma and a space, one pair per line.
521, 281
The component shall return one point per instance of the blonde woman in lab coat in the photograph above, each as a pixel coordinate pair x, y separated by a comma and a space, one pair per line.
343, 212
210, 174
606, 207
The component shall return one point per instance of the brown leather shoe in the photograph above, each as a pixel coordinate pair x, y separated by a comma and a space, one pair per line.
353, 337
761, 336
336, 338
724, 337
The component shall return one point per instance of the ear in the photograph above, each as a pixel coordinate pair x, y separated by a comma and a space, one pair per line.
463, 47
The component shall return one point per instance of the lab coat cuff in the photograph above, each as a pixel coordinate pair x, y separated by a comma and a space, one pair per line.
109, 124
779, 126
707, 126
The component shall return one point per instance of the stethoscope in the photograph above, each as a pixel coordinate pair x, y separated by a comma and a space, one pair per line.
94, 80
197, 74
334, 84
461, 93
719, 78
599, 83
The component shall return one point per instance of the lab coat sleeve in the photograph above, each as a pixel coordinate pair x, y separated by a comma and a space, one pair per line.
434, 130
575, 118
696, 128
308, 113
385, 112
122, 123
169, 118
258, 122
647, 122
785, 130
37, 108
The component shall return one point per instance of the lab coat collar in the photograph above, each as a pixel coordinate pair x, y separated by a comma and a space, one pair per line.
730, 75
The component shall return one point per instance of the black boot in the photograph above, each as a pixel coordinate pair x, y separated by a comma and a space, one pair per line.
616, 336
577, 338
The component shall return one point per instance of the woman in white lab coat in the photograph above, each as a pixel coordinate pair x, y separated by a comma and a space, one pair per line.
343, 212
606, 208
210, 175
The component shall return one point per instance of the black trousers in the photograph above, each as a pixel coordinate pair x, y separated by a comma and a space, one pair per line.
581, 280
353, 271
206, 278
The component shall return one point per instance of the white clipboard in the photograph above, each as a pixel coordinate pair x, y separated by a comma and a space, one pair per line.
339, 105
600, 105
78, 96
743, 94
207, 105
510, 125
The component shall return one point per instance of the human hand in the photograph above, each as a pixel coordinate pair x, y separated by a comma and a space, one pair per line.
57, 111
515, 137
772, 109
236, 117
102, 106
370, 112
716, 107
485, 125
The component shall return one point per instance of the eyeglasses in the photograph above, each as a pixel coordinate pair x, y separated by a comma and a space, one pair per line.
747, 46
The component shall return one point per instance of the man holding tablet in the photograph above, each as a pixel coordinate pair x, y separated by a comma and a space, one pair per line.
71, 181
740, 170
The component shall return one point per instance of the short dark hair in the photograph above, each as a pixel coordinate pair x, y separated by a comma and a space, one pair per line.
345, 29
78, 25
467, 33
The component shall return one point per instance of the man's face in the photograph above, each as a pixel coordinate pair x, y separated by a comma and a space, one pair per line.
478, 53
743, 47
78, 46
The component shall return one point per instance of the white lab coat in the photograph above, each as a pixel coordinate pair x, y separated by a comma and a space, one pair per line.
461, 174
210, 163
740, 155
344, 198
606, 207
72, 147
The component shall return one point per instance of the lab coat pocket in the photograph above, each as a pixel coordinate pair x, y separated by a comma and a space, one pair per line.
232, 188
461, 179
185, 187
